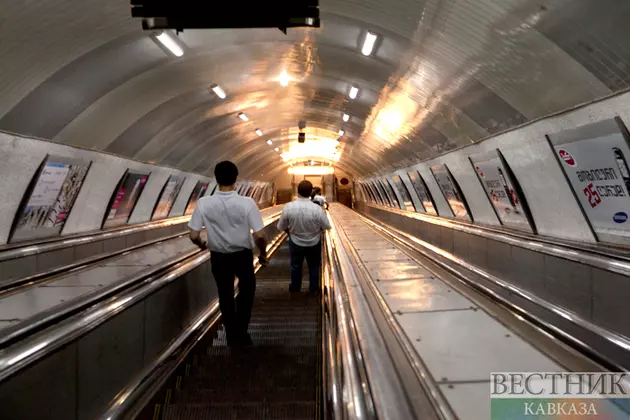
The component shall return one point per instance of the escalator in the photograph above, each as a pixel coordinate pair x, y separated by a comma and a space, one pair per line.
277, 378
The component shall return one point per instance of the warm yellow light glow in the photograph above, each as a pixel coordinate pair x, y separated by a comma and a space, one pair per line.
391, 121
284, 78
316, 147
311, 170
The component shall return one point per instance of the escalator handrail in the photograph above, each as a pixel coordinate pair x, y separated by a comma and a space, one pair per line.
21, 250
600, 257
23, 353
25, 249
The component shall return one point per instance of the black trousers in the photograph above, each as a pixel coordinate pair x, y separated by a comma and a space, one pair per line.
236, 312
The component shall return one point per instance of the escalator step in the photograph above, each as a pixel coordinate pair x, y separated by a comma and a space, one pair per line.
276, 378
298, 410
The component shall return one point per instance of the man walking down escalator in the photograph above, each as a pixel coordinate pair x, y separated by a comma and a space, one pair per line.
304, 221
229, 220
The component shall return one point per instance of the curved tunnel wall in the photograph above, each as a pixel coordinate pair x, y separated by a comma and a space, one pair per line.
553, 206
20, 158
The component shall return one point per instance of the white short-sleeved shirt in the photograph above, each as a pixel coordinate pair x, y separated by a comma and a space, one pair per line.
319, 200
229, 219
305, 221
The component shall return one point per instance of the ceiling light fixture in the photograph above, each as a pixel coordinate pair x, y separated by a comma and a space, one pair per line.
269, 142
368, 43
312, 162
284, 78
258, 132
166, 40
309, 170
346, 117
242, 116
341, 133
276, 149
354, 91
218, 91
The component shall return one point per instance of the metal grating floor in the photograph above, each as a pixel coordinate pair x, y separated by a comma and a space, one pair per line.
276, 379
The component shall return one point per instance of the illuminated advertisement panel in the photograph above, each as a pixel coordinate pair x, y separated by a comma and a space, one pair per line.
595, 160
51, 195
125, 198
168, 197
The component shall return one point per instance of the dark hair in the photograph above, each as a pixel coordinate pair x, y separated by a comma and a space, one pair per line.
225, 172
305, 188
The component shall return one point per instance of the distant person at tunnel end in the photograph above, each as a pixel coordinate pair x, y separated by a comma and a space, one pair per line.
229, 220
304, 221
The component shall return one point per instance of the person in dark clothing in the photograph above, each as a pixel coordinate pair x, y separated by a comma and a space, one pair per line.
229, 218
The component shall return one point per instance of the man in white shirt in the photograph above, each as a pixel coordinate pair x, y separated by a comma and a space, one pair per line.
318, 198
304, 221
229, 220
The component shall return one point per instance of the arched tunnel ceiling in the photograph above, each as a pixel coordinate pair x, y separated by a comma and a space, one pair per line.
445, 73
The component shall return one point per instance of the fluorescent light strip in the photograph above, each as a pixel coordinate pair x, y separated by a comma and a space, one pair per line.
242, 116
258, 132
218, 91
276, 149
341, 133
354, 91
310, 170
170, 44
346, 117
368, 44
269, 142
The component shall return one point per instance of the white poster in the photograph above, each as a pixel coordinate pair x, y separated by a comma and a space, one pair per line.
594, 158
500, 190
404, 193
452, 195
49, 184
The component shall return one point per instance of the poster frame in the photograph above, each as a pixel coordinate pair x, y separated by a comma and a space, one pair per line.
157, 202
393, 201
471, 219
436, 212
376, 193
51, 231
393, 183
605, 238
193, 191
113, 197
517, 190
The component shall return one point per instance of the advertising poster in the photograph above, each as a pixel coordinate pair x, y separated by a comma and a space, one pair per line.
595, 159
390, 193
168, 197
423, 192
198, 192
53, 193
452, 194
371, 196
377, 193
499, 187
125, 198
404, 193
383, 194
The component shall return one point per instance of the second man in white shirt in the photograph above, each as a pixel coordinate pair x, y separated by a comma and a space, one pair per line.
304, 221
